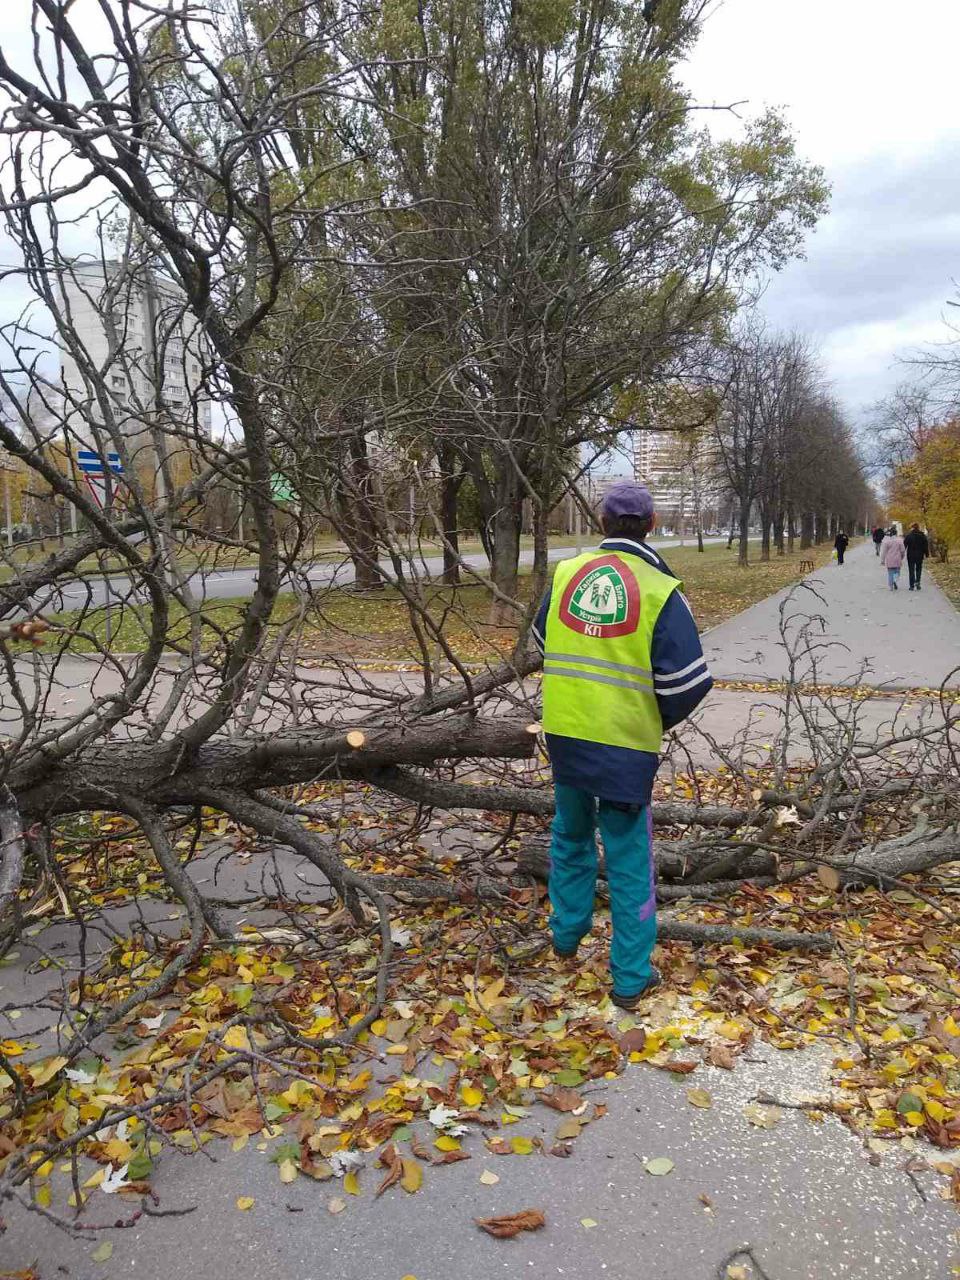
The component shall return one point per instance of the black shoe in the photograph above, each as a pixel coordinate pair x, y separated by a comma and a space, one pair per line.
564, 955
911, 588
632, 1002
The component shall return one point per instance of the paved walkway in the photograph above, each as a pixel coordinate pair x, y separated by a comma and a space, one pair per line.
862, 632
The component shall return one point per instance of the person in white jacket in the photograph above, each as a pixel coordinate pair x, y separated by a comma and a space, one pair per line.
892, 555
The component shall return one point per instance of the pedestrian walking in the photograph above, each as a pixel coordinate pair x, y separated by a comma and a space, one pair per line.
878, 536
840, 544
892, 555
622, 662
917, 548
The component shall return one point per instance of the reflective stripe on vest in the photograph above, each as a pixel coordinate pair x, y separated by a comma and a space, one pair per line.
597, 673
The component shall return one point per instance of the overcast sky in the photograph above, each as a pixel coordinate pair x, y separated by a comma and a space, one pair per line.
871, 90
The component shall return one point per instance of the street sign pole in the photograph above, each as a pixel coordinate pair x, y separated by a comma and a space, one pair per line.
92, 464
7, 510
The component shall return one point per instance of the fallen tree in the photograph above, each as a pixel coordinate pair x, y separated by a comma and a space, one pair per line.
140, 708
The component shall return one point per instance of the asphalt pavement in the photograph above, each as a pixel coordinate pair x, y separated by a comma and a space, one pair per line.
222, 584
802, 1195
858, 631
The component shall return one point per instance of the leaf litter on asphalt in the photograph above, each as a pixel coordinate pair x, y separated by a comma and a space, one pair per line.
469, 1047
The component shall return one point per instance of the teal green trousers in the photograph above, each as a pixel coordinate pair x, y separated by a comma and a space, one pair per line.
628, 850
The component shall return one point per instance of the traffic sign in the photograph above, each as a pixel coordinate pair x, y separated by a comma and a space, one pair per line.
281, 490
94, 467
95, 464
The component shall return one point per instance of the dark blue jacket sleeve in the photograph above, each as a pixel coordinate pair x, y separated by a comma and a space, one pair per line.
539, 628
680, 676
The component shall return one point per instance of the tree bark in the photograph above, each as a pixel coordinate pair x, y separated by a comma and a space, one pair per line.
506, 549
162, 775
358, 517
806, 531
450, 482
534, 862
743, 555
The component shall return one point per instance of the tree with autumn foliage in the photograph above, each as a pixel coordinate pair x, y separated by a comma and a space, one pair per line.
926, 486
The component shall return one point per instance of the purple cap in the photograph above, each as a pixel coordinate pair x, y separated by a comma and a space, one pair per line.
626, 498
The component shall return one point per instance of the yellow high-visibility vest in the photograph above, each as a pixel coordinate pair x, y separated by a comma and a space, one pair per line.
597, 665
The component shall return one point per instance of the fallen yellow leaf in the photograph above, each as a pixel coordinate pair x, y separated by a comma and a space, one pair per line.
412, 1179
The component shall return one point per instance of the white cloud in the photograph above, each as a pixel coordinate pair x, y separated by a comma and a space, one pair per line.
869, 87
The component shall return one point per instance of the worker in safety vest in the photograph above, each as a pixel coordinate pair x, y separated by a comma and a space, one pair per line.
622, 662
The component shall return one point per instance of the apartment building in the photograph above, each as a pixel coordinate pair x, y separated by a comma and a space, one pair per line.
655, 465
680, 481
132, 324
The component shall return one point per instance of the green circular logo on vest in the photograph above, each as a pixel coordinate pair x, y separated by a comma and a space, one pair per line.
601, 599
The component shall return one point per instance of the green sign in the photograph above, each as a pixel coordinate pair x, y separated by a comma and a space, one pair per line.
281, 490
600, 598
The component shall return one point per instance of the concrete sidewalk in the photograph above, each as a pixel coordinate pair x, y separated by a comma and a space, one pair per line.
905, 639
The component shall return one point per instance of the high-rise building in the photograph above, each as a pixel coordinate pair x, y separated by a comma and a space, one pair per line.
682, 480
655, 465
133, 326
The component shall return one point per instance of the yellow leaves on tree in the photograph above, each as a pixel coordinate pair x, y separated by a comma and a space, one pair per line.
926, 488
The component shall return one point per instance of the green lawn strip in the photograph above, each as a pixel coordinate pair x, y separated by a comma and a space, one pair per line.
346, 623
947, 577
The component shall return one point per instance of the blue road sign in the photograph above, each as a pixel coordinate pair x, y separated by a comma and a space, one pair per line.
94, 464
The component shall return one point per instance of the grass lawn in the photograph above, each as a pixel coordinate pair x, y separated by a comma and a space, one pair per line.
947, 577
343, 623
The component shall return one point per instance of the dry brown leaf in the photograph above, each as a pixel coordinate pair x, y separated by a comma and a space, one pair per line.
722, 1055
509, 1225
633, 1041
391, 1161
830, 878
419, 1150
452, 1157
562, 1099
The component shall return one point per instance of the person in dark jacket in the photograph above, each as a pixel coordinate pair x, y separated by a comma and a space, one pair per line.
840, 542
878, 536
918, 548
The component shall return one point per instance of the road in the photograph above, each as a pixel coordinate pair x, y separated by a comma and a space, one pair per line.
220, 584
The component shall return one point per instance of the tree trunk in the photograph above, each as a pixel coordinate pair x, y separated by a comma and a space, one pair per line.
765, 525
742, 557
779, 525
160, 774
806, 531
506, 548
358, 517
791, 528
450, 482
541, 549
